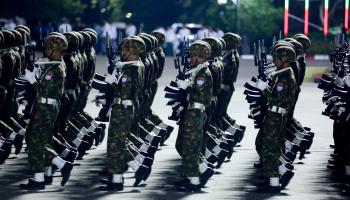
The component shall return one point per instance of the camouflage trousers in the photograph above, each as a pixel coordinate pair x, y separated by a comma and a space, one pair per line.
39, 137
117, 152
269, 142
189, 141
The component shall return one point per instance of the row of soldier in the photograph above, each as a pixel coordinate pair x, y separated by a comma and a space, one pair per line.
199, 98
127, 92
336, 85
53, 91
272, 96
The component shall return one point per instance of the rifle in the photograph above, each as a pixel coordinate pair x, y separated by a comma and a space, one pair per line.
111, 55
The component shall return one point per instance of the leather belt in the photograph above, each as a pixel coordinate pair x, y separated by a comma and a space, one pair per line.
277, 109
49, 101
126, 103
197, 105
225, 87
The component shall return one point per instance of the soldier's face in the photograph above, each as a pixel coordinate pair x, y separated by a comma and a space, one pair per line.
53, 54
125, 53
278, 62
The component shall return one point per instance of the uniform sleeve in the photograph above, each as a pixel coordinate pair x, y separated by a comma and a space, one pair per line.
128, 83
282, 93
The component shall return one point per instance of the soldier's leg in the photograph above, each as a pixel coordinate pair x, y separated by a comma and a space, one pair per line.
192, 144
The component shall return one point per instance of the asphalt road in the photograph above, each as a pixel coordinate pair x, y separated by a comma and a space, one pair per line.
234, 180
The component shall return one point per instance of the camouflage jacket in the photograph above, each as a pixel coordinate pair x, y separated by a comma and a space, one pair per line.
161, 61
282, 92
128, 86
230, 69
51, 79
200, 90
72, 71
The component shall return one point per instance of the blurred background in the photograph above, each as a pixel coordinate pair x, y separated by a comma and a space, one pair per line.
252, 19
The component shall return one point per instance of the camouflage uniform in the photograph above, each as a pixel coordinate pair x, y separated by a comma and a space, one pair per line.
270, 139
190, 135
127, 91
49, 91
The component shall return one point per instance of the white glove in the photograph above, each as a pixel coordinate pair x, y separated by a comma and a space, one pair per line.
262, 85
332, 99
347, 80
30, 76
183, 84
110, 79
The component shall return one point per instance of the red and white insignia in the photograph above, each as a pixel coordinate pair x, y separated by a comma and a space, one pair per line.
124, 78
49, 75
200, 80
279, 87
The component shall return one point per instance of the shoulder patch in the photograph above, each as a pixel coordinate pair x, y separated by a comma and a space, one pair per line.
124, 78
200, 80
279, 87
49, 75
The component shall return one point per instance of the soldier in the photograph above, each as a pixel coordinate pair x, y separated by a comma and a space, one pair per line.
280, 97
48, 81
190, 136
126, 90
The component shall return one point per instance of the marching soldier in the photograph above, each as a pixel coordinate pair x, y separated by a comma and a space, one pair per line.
190, 136
280, 97
48, 81
126, 91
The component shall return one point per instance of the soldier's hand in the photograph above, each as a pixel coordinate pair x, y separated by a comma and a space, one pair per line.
110, 79
262, 85
183, 84
30, 76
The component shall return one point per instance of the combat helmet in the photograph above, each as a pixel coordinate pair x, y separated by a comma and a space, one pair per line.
23, 27
56, 42
214, 46
160, 37
93, 37
73, 41
135, 45
25, 35
200, 48
298, 47
304, 40
147, 42
87, 39
18, 37
285, 53
9, 39
233, 41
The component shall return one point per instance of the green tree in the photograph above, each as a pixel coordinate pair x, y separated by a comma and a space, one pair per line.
259, 18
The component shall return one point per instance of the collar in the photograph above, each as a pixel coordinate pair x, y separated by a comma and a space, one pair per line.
196, 69
288, 69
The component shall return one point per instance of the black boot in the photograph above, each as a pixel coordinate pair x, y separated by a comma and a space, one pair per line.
186, 186
112, 186
65, 171
285, 179
33, 185
83, 147
18, 143
204, 177
140, 174
48, 180
267, 188
98, 135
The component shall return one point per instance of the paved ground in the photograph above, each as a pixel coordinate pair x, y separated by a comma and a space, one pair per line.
234, 180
